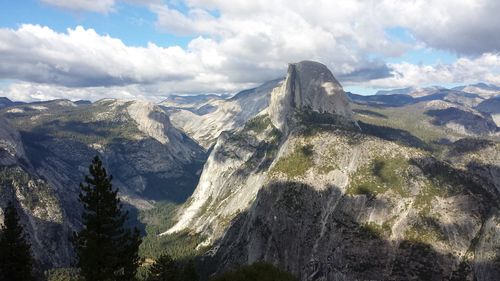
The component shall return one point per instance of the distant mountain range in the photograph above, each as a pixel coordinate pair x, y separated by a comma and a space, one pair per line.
482, 89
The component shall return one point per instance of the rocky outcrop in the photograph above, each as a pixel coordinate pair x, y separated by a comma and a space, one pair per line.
308, 86
235, 163
463, 120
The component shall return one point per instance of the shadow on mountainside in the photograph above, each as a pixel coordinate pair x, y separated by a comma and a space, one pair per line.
325, 235
129, 161
370, 113
392, 134
314, 121
466, 145
470, 121
471, 181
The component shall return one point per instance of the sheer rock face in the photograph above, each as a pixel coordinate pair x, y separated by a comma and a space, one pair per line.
10, 140
308, 85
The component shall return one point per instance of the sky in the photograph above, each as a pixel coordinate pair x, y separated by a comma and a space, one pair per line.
149, 49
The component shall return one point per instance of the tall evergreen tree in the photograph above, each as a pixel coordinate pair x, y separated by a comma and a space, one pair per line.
164, 269
106, 250
15, 256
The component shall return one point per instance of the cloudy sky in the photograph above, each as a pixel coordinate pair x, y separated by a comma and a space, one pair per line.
87, 49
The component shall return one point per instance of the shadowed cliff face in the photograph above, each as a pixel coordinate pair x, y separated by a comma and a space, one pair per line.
467, 121
327, 235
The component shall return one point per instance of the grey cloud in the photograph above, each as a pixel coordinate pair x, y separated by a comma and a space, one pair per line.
471, 31
367, 73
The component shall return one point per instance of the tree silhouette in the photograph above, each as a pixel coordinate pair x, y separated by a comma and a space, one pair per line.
16, 262
106, 250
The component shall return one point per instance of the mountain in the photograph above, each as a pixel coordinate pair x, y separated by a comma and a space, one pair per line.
82, 102
204, 118
310, 187
46, 148
492, 107
482, 89
398, 97
454, 112
310, 86
403, 91
5, 102
324, 184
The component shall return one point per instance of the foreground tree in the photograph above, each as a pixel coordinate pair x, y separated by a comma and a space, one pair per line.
15, 256
106, 250
167, 269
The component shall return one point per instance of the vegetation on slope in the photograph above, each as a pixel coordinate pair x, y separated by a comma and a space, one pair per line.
179, 246
409, 119
258, 271
297, 163
328, 161
379, 176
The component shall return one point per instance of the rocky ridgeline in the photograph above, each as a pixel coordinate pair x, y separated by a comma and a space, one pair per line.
304, 187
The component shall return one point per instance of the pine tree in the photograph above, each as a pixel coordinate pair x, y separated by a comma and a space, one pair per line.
15, 256
189, 272
106, 250
164, 269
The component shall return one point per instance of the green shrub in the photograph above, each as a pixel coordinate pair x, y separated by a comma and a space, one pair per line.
63, 274
380, 176
296, 163
258, 124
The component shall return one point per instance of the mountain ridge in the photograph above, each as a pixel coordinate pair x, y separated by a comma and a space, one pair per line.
323, 196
